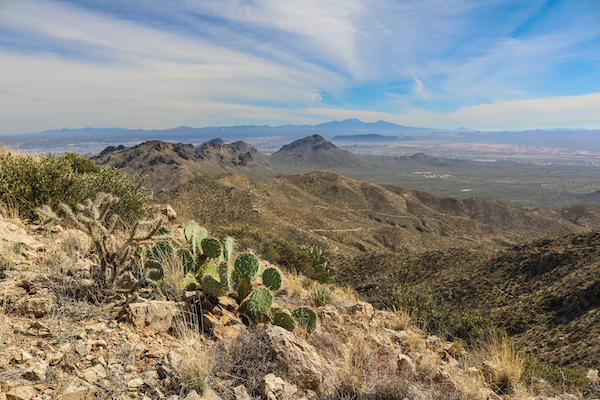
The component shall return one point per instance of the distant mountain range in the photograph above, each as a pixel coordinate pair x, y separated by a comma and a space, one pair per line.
346, 132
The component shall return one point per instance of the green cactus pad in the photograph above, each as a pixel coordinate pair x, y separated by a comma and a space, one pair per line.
155, 270
190, 283
246, 267
188, 260
244, 288
224, 276
247, 315
194, 235
212, 287
260, 302
190, 231
211, 247
271, 278
228, 248
306, 318
284, 320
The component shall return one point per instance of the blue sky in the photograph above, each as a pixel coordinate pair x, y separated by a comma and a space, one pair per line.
156, 64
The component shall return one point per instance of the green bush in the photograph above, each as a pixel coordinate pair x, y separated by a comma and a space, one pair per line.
31, 182
271, 248
430, 313
559, 377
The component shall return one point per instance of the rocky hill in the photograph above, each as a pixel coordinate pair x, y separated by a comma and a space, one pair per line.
314, 152
60, 338
427, 160
346, 216
545, 292
166, 165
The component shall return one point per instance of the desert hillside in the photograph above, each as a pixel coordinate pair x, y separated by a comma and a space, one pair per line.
166, 165
349, 217
314, 152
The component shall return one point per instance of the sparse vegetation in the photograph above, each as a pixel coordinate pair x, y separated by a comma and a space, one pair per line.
429, 312
96, 220
321, 272
31, 182
270, 247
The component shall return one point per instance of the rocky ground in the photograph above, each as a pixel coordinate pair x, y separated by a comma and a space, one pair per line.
61, 339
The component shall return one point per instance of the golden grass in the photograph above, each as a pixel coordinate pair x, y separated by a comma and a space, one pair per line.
195, 368
508, 361
4, 324
173, 269
9, 210
295, 283
345, 295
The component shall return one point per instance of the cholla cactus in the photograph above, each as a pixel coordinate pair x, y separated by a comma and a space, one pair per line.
96, 220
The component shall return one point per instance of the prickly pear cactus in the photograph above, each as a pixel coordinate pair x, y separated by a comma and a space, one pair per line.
224, 276
188, 260
260, 302
211, 248
212, 287
190, 283
194, 235
244, 288
306, 318
246, 267
271, 278
228, 248
247, 315
284, 320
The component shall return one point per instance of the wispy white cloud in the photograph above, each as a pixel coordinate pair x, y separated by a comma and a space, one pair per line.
559, 111
150, 63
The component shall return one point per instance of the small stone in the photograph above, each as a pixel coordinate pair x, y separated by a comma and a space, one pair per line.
97, 327
445, 382
21, 393
135, 383
193, 395
210, 394
23, 357
65, 348
76, 389
37, 372
592, 375
241, 393
273, 385
94, 373
81, 348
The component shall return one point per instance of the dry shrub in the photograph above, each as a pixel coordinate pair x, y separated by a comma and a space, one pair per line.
245, 361
360, 367
195, 368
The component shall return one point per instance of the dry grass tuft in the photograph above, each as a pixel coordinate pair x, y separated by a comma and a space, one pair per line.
4, 324
345, 295
295, 283
195, 368
9, 210
173, 269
